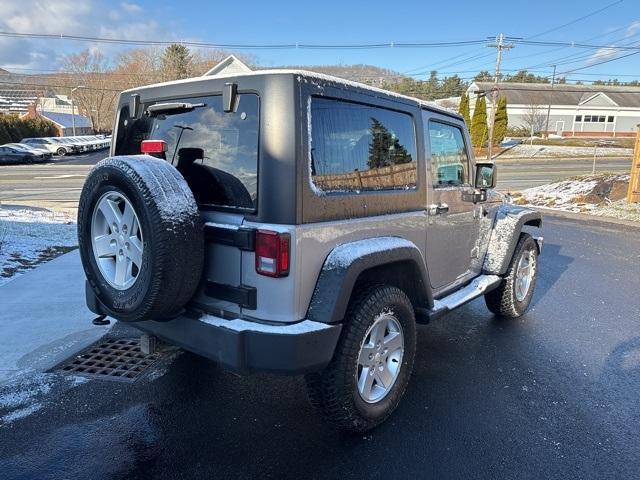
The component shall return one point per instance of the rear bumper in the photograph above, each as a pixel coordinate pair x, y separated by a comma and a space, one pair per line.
247, 347
244, 346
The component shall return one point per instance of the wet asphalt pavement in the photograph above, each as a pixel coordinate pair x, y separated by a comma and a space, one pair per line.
555, 394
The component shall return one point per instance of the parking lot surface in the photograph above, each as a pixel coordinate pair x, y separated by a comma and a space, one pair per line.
551, 395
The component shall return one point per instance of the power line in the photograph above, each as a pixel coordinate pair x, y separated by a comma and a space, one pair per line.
44, 85
600, 63
591, 14
239, 46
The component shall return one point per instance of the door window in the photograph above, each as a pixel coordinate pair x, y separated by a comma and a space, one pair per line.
449, 157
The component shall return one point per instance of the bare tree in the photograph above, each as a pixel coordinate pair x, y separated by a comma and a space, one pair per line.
96, 100
534, 118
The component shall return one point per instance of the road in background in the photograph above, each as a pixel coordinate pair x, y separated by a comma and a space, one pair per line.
57, 185
552, 395
518, 175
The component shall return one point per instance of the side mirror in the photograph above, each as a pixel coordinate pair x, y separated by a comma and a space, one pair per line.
486, 175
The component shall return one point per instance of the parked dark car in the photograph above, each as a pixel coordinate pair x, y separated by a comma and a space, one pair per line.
15, 155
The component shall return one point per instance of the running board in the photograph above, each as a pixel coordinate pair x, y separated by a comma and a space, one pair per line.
478, 286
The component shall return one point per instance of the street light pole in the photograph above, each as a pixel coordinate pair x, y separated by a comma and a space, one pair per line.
73, 110
553, 82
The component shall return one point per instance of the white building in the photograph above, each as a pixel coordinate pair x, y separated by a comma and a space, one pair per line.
576, 110
57, 104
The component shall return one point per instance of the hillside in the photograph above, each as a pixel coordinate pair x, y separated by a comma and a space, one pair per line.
369, 74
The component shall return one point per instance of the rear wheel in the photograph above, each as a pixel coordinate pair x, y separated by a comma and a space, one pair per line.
372, 364
512, 298
61, 151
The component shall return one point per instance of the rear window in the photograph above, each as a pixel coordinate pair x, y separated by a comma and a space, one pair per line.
357, 147
216, 152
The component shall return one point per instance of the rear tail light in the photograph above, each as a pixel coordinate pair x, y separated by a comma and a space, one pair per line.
272, 253
157, 147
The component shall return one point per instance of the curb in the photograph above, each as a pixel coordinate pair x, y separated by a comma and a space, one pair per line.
584, 217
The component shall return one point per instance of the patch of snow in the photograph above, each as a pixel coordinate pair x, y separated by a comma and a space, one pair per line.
22, 396
27, 236
172, 194
501, 237
343, 255
24, 389
226, 226
240, 325
21, 413
569, 196
314, 188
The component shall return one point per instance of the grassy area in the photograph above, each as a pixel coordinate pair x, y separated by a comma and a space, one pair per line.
585, 142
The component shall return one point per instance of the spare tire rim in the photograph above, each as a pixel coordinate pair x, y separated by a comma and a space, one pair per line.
524, 274
380, 358
116, 240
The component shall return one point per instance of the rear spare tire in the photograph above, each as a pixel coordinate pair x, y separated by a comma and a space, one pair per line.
141, 238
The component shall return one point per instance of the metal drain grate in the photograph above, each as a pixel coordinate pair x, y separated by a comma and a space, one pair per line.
114, 358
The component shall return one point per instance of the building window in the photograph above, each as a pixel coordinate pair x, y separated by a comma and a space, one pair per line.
601, 119
578, 118
357, 147
610, 119
587, 118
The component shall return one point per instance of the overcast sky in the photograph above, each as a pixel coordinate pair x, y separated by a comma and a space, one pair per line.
331, 21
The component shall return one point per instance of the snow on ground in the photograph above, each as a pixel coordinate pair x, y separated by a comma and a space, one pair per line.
30, 392
30, 236
544, 151
599, 194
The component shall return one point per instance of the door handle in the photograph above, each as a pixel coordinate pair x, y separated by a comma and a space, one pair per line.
438, 209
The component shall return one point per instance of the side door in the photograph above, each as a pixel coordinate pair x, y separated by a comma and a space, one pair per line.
453, 224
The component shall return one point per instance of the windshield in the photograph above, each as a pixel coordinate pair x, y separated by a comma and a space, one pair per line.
216, 151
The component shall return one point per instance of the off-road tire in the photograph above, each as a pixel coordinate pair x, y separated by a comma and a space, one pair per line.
172, 236
502, 301
61, 152
334, 391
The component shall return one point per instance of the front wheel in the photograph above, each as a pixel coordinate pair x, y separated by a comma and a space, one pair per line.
61, 151
372, 364
512, 298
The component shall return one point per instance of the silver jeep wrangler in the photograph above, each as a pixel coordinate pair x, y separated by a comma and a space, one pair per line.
290, 222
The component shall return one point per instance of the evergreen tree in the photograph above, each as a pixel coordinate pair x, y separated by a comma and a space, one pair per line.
463, 109
479, 132
500, 121
176, 62
385, 148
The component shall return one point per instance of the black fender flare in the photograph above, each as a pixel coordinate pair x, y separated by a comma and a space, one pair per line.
346, 262
505, 234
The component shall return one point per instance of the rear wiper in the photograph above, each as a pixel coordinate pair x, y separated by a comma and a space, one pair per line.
171, 108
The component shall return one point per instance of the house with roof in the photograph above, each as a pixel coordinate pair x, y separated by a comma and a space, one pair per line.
64, 122
574, 110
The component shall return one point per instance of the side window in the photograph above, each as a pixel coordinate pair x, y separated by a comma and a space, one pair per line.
449, 157
356, 147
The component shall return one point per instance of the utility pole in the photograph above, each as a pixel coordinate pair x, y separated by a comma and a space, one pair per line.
73, 110
500, 46
553, 82
633, 195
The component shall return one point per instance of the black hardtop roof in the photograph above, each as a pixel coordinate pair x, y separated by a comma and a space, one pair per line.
303, 75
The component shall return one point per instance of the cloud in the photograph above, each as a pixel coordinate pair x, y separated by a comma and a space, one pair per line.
602, 54
633, 29
131, 7
607, 53
68, 17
